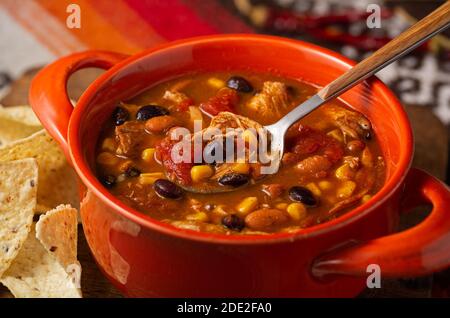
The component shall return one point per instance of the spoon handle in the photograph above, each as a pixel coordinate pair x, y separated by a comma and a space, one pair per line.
432, 24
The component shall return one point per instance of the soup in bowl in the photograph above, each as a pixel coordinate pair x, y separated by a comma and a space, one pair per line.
150, 241
332, 161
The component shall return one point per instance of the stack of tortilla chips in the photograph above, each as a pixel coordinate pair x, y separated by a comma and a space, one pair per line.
36, 259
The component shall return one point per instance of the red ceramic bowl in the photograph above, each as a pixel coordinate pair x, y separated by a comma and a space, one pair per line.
144, 257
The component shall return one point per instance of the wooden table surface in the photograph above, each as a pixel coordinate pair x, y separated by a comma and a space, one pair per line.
431, 142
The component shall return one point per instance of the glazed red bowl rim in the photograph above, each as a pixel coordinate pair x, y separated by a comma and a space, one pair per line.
89, 179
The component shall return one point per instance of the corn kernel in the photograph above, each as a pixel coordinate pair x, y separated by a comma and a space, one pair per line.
199, 216
121, 178
200, 173
243, 168
148, 154
325, 185
346, 189
107, 158
336, 134
247, 205
281, 206
215, 82
220, 210
108, 144
366, 198
150, 178
344, 172
195, 113
314, 189
297, 211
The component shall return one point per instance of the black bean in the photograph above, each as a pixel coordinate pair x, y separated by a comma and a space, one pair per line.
108, 181
240, 84
302, 195
167, 189
233, 222
120, 116
146, 112
367, 134
132, 172
234, 179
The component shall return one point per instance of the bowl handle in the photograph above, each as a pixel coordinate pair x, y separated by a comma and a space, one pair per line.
420, 250
48, 95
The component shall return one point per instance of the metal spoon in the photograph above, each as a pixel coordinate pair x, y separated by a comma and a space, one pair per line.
435, 22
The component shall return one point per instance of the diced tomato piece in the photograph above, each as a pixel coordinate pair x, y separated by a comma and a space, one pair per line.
184, 105
224, 101
182, 170
308, 141
332, 149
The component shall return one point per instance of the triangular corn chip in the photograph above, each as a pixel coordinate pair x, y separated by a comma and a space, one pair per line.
18, 190
57, 231
35, 273
57, 180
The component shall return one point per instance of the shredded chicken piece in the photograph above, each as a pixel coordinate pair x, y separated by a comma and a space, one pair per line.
175, 97
273, 98
129, 137
351, 123
273, 190
347, 202
353, 162
229, 120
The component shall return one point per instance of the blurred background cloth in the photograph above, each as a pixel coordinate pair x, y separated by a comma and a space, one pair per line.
35, 32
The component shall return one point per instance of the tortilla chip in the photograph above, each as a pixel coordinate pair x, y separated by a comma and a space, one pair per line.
57, 231
23, 114
35, 273
18, 191
57, 180
16, 123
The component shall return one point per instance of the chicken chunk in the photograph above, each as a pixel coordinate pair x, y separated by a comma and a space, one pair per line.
273, 98
129, 137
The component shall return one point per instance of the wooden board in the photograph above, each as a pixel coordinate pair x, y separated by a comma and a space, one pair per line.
431, 142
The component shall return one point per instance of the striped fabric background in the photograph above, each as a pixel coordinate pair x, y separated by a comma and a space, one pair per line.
124, 26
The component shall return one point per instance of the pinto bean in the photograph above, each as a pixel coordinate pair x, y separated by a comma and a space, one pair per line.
160, 123
266, 219
313, 165
355, 145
